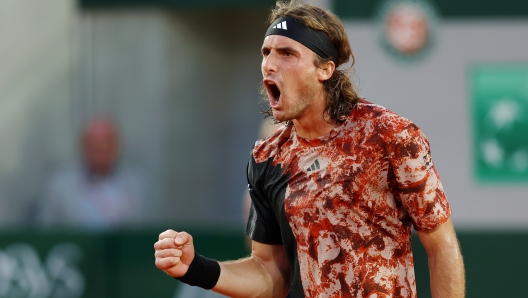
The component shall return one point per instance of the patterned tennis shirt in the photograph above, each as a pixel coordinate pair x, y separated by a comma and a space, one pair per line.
343, 205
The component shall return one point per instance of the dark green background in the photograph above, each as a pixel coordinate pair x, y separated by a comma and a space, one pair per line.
344, 8
122, 264
446, 8
179, 4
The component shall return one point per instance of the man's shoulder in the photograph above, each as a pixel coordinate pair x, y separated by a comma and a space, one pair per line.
373, 109
379, 113
270, 146
381, 121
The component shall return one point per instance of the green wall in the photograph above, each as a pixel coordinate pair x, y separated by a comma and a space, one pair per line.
122, 264
451, 9
113, 264
495, 264
178, 4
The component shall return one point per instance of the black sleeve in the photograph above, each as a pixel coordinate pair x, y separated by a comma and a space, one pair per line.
262, 223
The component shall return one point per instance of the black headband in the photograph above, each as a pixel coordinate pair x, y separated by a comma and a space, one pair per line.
315, 40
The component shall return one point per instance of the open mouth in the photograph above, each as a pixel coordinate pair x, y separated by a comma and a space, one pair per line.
273, 92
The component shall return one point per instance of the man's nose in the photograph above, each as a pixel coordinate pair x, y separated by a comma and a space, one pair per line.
269, 64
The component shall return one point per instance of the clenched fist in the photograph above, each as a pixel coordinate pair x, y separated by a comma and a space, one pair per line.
174, 252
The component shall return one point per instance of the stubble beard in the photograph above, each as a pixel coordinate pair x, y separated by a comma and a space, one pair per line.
304, 99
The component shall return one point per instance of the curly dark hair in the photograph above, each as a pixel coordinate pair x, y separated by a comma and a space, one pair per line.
341, 96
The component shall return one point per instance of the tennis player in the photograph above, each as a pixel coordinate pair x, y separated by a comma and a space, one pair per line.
336, 191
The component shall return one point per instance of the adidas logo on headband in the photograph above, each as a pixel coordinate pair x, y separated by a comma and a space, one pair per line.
315, 40
281, 25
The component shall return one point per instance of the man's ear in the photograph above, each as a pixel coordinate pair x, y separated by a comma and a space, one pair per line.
325, 71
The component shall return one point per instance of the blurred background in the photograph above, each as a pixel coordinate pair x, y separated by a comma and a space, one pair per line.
171, 87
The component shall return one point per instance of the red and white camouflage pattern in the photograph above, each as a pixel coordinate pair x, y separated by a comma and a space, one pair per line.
352, 211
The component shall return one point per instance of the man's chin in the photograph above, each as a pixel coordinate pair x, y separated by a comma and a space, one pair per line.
280, 116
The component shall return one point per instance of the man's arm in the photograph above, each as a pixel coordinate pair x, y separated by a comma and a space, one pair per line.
446, 267
264, 274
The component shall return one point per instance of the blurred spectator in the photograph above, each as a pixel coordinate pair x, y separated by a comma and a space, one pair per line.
97, 193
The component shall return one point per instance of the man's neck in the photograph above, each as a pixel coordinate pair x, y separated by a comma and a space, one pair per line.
308, 128
312, 123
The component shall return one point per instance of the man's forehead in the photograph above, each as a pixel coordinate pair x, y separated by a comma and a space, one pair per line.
279, 41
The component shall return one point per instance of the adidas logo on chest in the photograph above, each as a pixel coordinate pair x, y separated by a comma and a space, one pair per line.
314, 166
